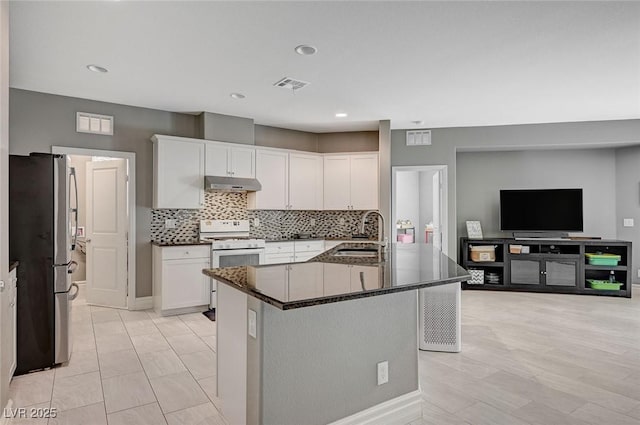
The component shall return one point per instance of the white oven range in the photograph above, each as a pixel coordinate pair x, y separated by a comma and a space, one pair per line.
230, 246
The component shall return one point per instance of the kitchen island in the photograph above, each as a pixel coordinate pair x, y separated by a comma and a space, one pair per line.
306, 343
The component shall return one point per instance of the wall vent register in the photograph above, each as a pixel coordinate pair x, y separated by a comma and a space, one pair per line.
418, 137
94, 123
291, 84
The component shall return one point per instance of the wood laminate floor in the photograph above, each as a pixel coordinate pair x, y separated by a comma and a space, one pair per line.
538, 359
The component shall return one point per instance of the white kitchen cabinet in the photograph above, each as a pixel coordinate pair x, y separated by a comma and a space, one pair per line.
271, 281
305, 250
279, 253
370, 275
290, 181
178, 172
228, 160
305, 182
9, 326
178, 282
272, 171
351, 182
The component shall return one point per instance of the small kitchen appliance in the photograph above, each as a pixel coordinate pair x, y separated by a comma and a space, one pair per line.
231, 246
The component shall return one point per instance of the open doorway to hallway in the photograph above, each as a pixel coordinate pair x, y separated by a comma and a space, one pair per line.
419, 205
105, 250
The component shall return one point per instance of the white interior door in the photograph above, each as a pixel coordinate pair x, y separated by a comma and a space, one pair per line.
437, 196
107, 228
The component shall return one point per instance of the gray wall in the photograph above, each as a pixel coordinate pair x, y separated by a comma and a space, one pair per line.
481, 175
325, 358
283, 138
355, 141
39, 121
628, 199
447, 141
225, 128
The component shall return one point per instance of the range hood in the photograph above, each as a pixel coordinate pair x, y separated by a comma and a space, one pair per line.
231, 184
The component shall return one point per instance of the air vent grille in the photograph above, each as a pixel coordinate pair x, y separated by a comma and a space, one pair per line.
291, 83
418, 137
94, 123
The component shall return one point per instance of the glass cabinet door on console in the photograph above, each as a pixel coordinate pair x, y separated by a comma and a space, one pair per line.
525, 272
561, 273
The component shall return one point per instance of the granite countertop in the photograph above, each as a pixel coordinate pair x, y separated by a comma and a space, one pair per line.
404, 267
318, 238
13, 265
180, 243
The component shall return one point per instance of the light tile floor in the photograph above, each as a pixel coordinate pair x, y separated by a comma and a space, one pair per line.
533, 359
128, 368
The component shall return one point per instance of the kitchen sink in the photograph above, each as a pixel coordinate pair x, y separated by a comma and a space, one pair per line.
356, 252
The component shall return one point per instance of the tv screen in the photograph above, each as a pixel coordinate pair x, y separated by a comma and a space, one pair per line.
541, 210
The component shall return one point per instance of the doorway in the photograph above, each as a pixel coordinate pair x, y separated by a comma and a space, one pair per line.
105, 251
419, 205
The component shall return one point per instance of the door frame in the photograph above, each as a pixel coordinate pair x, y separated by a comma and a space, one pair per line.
131, 199
444, 198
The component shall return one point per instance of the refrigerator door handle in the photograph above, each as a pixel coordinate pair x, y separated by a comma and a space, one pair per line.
71, 267
72, 173
75, 294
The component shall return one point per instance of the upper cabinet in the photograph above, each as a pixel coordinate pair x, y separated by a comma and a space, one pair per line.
290, 181
222, 159
178, 172
351, 182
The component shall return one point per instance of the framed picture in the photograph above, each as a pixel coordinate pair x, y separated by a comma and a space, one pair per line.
80, 232
474, 230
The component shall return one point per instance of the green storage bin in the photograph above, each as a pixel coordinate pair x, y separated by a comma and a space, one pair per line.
604, 285
603, 259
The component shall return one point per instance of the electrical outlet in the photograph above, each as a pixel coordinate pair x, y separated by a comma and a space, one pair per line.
169, 223
383, 372
253, 324
341, 221
627, 222
256, 222
312, 221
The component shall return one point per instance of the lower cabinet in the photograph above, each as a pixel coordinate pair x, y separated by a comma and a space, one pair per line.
289, 281
544, 271
292, 251
340, 279
178, 282
9, 331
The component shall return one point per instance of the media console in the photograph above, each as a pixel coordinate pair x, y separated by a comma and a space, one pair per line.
557, 266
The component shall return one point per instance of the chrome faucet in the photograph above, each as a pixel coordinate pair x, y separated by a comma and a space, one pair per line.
382, 241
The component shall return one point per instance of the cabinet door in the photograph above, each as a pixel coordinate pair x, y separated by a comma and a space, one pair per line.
179, 174
525, 272
337, 279
305, 182
242, 162
305, 281
561, 273
364, 182
337, 185
217, 160
272, 171
183, 284
366, 276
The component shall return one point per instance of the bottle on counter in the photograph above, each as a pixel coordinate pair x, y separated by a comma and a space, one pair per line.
612, 277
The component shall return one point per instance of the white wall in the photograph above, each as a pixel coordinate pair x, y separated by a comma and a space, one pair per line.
79, 162
481, 175
407, 187
4, 170
426, 203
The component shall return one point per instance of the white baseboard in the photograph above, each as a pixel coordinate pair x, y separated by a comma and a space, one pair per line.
397, 411
142, 303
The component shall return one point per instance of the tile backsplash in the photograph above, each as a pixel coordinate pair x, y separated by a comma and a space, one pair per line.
273, 224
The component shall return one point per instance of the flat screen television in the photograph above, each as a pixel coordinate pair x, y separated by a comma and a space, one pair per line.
541, 210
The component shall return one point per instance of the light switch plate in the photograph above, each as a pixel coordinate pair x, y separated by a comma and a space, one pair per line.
169, 223
312, 222
253, 324
383, 372
256, 222
627, 222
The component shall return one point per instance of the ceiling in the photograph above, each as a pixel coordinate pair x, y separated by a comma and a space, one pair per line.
448, 64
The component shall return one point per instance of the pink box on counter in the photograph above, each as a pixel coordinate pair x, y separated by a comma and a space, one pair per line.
405, 238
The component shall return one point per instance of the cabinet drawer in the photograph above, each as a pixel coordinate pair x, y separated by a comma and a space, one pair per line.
279, 258
309, 246
189, 251
279, 248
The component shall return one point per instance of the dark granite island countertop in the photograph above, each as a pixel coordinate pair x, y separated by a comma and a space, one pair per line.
404, 267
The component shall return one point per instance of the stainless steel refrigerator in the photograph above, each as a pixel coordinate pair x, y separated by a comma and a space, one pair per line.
42, 223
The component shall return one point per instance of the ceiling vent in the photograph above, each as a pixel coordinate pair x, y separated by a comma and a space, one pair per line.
291, 84
94, 123
418, 137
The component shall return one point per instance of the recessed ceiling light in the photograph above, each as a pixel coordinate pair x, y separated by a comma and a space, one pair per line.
237, 95
341, 114
96, 68
306, 50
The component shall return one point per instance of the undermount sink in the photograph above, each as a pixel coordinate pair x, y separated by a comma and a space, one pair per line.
356, 252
